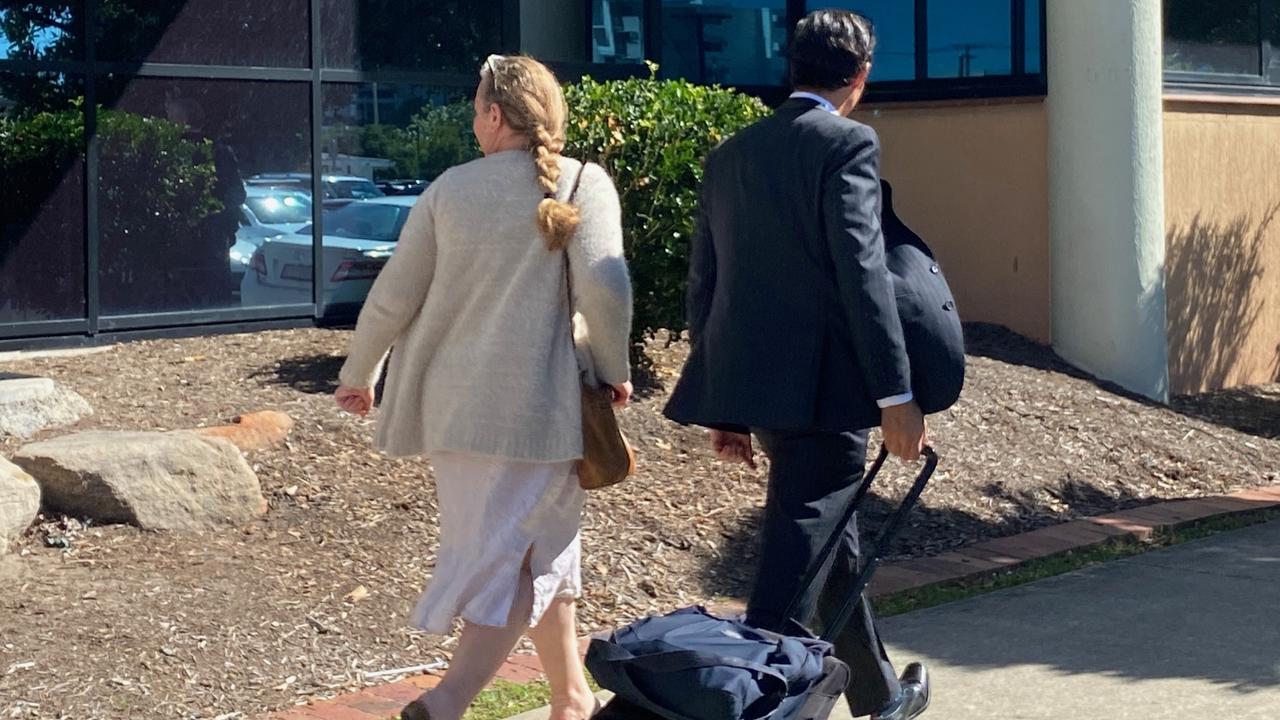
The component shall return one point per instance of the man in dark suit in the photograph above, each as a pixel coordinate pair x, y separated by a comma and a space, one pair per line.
795, 331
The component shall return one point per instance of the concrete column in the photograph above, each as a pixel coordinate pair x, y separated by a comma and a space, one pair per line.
1106, 190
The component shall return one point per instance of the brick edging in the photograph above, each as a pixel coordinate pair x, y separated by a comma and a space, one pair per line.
973, 562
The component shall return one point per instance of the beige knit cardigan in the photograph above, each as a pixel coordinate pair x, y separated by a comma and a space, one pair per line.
475, 306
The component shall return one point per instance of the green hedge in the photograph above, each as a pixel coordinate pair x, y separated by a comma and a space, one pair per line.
155, 193
652, 136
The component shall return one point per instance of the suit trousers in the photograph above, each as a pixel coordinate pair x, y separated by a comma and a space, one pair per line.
812, 479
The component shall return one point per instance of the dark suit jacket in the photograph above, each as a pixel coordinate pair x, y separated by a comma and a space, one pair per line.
791, 309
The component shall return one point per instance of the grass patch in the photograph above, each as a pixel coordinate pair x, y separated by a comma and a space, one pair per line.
503, 699
911, 600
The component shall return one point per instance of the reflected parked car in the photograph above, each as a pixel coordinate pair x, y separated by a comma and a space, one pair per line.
358, 239
248, 239
334, 186
279, 209
350, 186
403, 187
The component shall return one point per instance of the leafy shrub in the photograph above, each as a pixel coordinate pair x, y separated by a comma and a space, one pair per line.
434, 140
158, 193
652, 136
156, 196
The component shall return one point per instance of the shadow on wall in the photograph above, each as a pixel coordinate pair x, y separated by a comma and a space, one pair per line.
1215, 273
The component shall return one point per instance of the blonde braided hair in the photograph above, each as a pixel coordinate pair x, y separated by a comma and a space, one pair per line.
532, 104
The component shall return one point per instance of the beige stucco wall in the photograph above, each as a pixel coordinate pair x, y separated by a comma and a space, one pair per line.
972, 180
1222, 178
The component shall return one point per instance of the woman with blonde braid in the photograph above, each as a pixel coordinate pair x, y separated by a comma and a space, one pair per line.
485, 379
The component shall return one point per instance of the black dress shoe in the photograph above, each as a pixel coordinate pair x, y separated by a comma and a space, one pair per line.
915, 695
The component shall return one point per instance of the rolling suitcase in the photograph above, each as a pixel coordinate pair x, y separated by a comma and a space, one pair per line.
692, 665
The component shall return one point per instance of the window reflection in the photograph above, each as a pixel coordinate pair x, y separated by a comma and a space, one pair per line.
41, 30
42, 207
178, 225
741, 42
1222, 36
1035, 47
617, 31
382, 145
454, 35
215, 32
970, 38
895, 29
1271, 21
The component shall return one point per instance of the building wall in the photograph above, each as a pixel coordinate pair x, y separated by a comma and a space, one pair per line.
1222, 177
972, 180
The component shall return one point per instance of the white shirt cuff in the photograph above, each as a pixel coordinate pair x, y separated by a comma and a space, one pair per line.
895, 400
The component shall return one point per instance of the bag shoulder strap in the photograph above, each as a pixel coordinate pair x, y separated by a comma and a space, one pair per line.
568, 273
577, 181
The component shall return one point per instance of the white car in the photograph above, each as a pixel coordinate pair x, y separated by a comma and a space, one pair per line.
350, 186
358, 239
280, 209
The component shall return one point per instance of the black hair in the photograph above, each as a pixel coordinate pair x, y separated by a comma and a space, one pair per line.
830, 48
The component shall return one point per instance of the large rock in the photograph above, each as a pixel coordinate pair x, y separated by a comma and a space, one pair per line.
31, 404
253, 431
19, 502
155, 480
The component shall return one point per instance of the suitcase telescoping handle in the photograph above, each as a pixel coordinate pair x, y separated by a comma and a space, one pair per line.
887, 533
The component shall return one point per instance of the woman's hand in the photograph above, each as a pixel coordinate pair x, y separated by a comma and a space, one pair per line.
357, 401
621, 394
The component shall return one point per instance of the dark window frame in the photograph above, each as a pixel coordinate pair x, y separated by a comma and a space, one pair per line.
1232, 83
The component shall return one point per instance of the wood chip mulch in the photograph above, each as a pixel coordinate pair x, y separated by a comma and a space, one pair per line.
131, 624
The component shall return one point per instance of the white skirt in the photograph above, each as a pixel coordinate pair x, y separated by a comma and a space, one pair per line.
492, 514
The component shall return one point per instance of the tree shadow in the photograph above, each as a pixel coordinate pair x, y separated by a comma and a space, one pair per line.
310, 374
644, 373
1251, 410
732, 572
1072, 631
1200, 611
997, 342
1214, 281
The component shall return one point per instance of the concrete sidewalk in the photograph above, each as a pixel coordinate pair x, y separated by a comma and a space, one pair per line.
1191, 631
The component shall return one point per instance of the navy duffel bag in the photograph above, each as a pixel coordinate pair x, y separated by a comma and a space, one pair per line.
692, 665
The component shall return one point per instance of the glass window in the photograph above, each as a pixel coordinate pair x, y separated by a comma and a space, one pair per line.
733, 42
1271, 23
443, 35
213, 32
970, 38
383, 145
185, 167
42, 207
1221, 37
617, 31
554, 30
41, 30
895, 28
1035, 47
